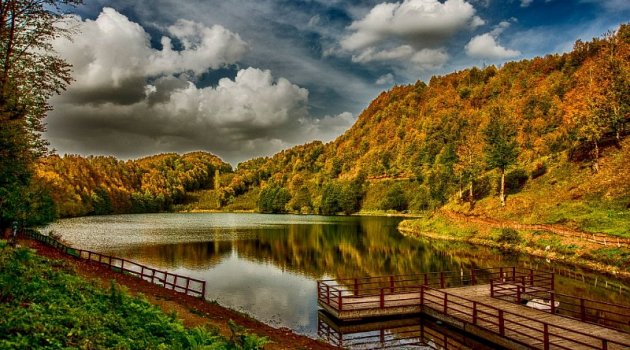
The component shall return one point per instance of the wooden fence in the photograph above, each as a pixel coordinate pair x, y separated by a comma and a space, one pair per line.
598, 238
178, 283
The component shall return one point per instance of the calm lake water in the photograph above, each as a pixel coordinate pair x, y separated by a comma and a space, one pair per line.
267, 265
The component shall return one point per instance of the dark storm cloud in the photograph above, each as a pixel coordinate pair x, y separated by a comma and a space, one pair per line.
248, 78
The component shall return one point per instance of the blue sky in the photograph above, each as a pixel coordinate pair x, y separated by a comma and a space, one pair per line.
248, 78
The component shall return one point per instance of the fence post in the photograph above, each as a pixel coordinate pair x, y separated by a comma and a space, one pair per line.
501, 274
422, 296
531, 277
501, 323
474, 320
604, 344
203, 289
339, 301
582, 310
356, 287
514, 273
474, 277
391, 284
492, 288
553, 281
553, 303
382, 298
426, 279
546, 336
518, 294
328, 294
441, 279
445, 304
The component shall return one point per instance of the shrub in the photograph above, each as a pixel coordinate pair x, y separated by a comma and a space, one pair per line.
515, 180
509, 236
395, 199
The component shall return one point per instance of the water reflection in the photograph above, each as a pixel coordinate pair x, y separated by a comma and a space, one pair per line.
266, 265
402, 333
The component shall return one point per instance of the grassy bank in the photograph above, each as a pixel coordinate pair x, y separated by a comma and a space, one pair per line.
609, 259
46, 305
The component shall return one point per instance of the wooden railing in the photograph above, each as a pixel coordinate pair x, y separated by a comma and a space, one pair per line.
586, 310
178, 283
516, 327
350, 291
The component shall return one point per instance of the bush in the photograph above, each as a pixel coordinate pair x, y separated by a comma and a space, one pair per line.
515, 180
509, 236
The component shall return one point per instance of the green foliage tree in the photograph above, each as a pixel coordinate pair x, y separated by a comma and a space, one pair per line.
501, 146
273, 199
30, 73
395, 199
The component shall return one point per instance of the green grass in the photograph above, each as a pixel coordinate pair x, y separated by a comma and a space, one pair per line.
613, 256
44, 305
439, 225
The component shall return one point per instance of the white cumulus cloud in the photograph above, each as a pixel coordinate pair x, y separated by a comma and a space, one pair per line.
131, 99
486, 45
412, 30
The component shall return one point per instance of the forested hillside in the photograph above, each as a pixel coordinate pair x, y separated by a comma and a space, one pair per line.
418, 146
104, 185
457, 139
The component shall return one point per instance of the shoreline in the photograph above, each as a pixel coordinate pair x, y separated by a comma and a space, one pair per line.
595, 266
193, 311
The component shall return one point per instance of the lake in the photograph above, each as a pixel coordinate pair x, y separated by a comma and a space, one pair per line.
266, 265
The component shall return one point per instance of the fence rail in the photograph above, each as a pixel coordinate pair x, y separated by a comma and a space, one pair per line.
178, 283
519, 328
586, 310
333, 291
430, 291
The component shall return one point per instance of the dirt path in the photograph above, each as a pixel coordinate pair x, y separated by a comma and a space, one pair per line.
193, 311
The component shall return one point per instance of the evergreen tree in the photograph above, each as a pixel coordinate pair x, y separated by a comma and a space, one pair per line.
501, 147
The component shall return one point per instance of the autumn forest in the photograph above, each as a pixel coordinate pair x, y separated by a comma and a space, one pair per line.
473, 134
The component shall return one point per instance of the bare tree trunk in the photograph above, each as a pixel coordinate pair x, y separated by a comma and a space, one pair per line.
596, 157
472, 197
502, 194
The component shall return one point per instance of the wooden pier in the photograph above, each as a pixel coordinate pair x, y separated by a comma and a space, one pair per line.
486, 303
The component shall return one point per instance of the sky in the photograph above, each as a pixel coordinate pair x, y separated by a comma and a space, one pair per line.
243, 79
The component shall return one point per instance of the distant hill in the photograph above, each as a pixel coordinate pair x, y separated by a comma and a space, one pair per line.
105, 185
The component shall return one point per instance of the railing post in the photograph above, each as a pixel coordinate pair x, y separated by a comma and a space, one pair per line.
501, 323
340, 301
203, 289
382, 298
546, 336
553, 281
391, 284
604, 344
518, 294
492, 288
328, 294
445, 304
531, 277
441, 279
474, 320
514, 273
122, 266
501, 274
422, 296
356, 287
582, 310
553, 302
426, 279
